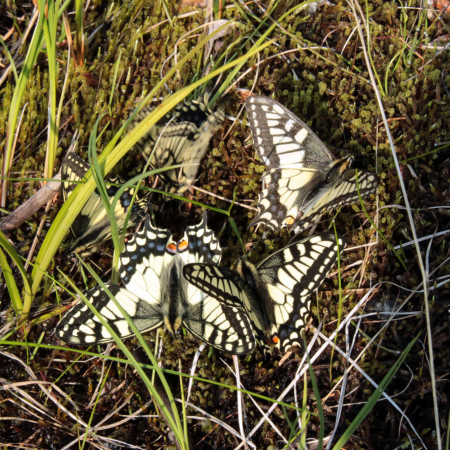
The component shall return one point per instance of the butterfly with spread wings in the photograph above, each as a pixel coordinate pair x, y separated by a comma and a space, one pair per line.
303, 179
276, 293
155, 294
181, 137
92, 225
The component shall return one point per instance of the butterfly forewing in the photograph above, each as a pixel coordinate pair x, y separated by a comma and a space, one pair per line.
292, 274
220, 324
281, 139
219, 282
303, 178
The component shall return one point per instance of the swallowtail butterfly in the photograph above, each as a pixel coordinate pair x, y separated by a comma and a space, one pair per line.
303, 178
181, 137
276, 294
92, 225
156, 294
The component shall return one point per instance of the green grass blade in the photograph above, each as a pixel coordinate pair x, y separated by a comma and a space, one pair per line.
317, 396
9, 277
390, 246
11, 285
10, 59
173, 419
50, 32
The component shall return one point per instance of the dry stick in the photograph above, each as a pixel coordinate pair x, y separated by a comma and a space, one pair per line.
314, 357
355, 5
33, 204
204, 191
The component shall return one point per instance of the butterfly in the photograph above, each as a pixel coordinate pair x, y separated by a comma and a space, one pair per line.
276, 293
156, 294
92, 225
181, 137
303, 178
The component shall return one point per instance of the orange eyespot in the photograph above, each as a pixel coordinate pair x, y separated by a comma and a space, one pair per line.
275, 340
182, 245
289, 221
171, 248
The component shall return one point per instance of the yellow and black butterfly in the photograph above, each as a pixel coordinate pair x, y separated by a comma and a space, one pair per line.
156, 294
276, 293
181, 137
303, 179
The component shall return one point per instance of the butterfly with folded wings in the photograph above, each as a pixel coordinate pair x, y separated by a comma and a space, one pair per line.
92, 225
303, 179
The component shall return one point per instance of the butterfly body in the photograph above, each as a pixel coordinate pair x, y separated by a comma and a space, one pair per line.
320, 187
156, 294
257, 301
303, 179
276, 293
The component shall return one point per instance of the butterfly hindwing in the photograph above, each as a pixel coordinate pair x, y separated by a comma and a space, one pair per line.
143, 262
73, 169
80, 326
282, 195
303, 179
203, 244
343, 193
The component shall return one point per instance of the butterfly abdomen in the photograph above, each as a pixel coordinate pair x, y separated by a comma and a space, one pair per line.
257, 300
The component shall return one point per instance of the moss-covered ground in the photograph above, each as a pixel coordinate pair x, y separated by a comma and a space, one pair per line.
317, 68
